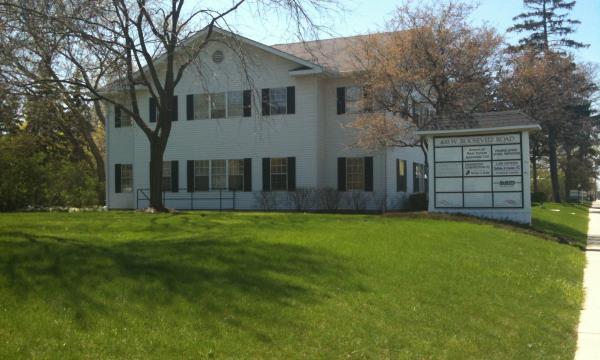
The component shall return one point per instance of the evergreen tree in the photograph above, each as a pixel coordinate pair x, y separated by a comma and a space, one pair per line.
549, 25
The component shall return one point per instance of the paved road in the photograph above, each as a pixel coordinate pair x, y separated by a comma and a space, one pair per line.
588, 342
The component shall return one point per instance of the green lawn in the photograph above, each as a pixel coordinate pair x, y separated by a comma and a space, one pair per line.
566, 221
253, 285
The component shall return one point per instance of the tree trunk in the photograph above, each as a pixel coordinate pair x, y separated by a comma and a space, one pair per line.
553, 165
156, 158
568, 175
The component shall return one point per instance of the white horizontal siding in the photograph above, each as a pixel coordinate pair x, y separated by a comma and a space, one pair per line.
315, 135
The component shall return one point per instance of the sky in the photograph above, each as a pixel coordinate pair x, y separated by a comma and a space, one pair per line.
363, 16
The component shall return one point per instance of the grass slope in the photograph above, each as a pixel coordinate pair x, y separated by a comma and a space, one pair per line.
248, 285
566, 221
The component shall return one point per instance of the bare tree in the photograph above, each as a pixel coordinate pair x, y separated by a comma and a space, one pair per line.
430, 62
143, 45
30, 63
547, 86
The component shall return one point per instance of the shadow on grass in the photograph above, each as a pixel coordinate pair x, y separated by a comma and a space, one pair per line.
545, 229
239, 281
565, 234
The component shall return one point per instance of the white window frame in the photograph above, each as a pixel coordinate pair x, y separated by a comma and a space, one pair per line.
279, 173
351, 182
281, 94
353, 106
241, 105
124, 187
213, 96
197, 168
229, 174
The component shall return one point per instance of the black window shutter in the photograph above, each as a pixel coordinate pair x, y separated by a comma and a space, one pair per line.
369, 173
341, 174
190, 107
415, 180
291, 100
152, 109
341, 100
117, 116
117, 178
398, 180
266, 109
291, 174
175, 106
248, 174
190, 175
247, 103
266, 178
175, 176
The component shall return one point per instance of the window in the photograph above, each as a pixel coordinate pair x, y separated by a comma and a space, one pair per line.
166, 176
123, 178
201, 175
234, 103
201, 106
122, 119
236, 174
418, 177
126, 178
355, 174
125, 120
218, 174
353, 99
279, 174
278, 101
401, 175
217, 106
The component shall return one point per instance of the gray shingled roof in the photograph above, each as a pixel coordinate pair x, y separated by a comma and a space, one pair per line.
487, 120
337, 55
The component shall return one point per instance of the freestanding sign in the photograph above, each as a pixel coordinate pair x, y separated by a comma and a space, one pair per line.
481, 172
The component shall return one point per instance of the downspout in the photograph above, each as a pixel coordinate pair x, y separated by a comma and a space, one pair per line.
107, 162
385, 181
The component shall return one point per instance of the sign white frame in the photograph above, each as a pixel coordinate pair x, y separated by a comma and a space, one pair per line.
484, 154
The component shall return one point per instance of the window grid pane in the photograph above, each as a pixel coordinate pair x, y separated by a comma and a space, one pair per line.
201, 106
353, 99
126, 178
201, 175
217, 106
279, 173
236, 174
355, 174
402, 175
278, 101
218, 178
234, 103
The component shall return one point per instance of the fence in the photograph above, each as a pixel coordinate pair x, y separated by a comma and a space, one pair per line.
195, 199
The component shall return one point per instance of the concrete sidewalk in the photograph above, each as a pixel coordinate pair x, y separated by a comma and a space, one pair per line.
588, 341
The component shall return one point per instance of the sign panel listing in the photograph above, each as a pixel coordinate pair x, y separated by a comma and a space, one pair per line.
478, 171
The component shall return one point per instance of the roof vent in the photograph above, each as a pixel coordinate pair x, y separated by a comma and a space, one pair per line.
218, 57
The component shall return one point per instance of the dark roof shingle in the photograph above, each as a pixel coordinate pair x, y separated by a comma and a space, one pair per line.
487, 120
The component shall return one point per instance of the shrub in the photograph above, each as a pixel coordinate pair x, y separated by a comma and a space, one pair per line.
538, 197
267, 200
358, 200
328, 199
32, 177
417, 201
302, 199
